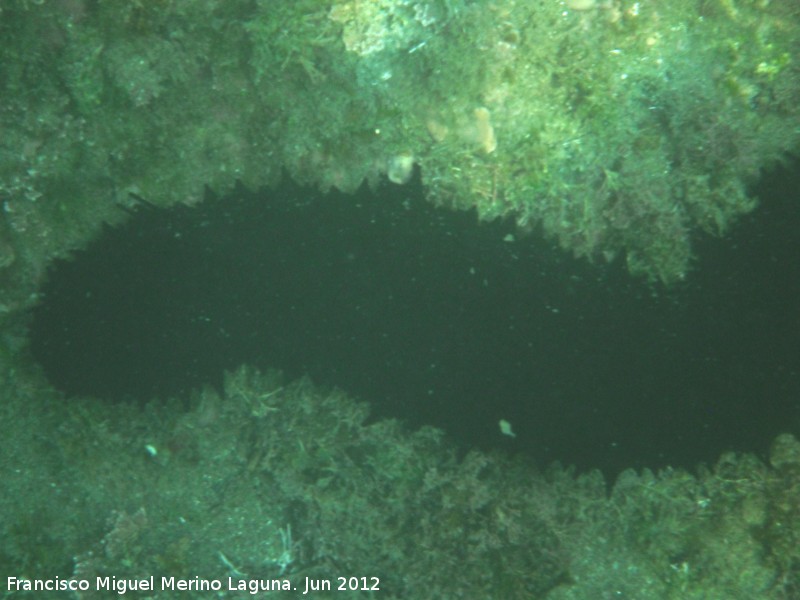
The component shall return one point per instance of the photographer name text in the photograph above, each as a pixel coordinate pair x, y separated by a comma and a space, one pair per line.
149, 584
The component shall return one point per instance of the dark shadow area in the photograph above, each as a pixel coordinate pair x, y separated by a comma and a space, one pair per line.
437, 319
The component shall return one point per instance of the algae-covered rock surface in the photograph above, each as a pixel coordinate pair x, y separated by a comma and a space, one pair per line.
620, 127
275, 483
